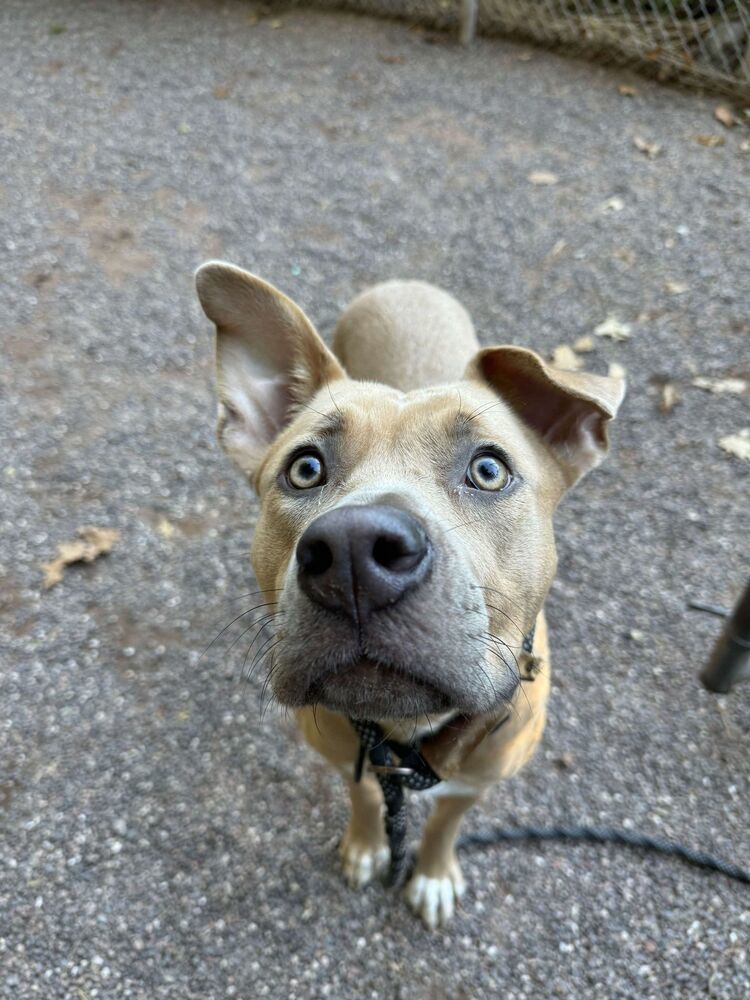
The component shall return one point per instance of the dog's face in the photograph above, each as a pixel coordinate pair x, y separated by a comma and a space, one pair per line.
406, 538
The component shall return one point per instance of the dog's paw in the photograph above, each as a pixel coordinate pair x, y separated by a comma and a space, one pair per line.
435, 899
362, 862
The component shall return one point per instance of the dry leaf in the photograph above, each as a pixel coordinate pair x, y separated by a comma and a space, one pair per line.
720, 385
737, 444
92, 543
276, 24
626, 256
543, 177
584, 344
650, 149
724, 115
710, 140
565, 357
668, 398
165, 528
616, 370
614, 204
676, 287
222, 91
525, 57
613, 328
626, 90
557, 249
390, 60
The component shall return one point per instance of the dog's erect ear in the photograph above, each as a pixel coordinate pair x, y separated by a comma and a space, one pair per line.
569, 410
269, 358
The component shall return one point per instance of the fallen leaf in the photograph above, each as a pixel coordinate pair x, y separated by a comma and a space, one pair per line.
614, 204
557, 249
616, 370
563, 356
92, 543
626, 256
627, 91
720, 385
543, 177
165, 528
737, 444
222, 91
525, 57
676, 287
668, 398
725, 115
276, 24
710, 140
613, 328
390, 60
650, 149
584, 344
564, 761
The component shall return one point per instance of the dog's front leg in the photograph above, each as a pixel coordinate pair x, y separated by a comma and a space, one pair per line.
437, 883
364, 850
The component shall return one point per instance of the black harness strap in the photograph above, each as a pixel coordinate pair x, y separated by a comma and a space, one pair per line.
412, 771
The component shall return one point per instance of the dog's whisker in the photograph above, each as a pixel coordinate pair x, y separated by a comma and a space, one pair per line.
268, 643
262, 622
257, 607
336, 405
462, 524
502, 594
261, 641
516, 672
251, 593
506, 615
483, 409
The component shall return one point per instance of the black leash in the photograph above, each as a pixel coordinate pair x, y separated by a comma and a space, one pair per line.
412, 771
606, 835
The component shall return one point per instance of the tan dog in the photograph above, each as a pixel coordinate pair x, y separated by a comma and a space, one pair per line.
408, 484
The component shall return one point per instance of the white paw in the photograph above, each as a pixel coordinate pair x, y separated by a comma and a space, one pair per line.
362, 863
435, 899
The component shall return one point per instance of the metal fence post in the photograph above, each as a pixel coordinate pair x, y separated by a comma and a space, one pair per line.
730, 659
468, 21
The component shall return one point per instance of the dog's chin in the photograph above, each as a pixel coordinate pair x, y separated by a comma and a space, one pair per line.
366, 689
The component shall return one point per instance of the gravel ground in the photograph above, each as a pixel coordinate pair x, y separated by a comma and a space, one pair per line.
161, 836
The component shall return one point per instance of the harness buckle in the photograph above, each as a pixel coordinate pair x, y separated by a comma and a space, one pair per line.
390, 769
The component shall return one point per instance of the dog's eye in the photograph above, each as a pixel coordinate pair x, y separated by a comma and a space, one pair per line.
488, 472
306, 471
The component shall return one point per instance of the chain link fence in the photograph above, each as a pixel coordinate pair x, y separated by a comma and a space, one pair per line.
704, 42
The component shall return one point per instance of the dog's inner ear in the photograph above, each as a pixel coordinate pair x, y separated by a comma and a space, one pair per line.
269, 359
569, 410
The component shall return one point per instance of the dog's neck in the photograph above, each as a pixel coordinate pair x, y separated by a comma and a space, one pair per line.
408, 731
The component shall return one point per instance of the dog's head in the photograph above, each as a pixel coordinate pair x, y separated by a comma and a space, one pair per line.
406, 537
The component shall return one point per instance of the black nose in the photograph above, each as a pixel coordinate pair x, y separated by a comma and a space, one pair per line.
357, 559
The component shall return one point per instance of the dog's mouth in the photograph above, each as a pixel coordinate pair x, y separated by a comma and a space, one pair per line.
366, 689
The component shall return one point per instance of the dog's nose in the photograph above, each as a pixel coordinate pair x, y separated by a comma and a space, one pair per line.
357, 559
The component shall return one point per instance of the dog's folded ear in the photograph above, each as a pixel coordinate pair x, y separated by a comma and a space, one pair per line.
569, 410
269, 359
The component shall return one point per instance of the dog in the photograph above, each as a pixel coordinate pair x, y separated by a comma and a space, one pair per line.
408, 480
